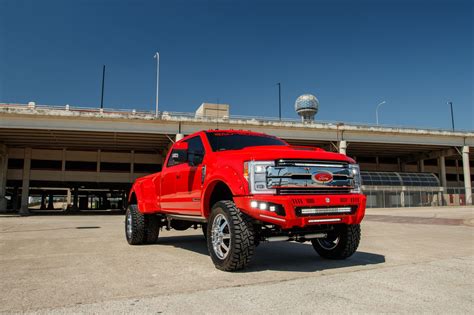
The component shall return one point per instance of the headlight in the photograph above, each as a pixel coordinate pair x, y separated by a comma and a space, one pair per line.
256, 174
355, 171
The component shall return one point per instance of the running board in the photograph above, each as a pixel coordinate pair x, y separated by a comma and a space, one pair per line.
182, 217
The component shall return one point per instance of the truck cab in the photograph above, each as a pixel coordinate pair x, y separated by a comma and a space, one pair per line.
243, 188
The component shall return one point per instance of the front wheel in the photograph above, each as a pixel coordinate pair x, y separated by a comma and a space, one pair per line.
230, 237
340, 243
141, 228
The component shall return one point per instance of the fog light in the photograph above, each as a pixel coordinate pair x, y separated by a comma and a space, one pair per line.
263, 206
254, 204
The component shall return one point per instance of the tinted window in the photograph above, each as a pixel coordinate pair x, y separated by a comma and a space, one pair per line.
221, 141
173, 162
195, 151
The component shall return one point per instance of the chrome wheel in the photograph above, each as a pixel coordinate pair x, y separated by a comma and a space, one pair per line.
328, 243
220, 236
129, 225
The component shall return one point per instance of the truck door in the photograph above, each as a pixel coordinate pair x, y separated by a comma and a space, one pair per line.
169, 177
189, 181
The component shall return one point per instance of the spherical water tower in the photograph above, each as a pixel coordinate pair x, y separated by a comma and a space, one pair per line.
307, 106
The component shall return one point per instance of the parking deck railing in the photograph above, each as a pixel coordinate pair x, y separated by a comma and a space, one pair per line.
398, 197
69, 110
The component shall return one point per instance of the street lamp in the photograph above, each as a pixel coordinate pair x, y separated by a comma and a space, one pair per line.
452, 114
377, 112
279, 100
157, 56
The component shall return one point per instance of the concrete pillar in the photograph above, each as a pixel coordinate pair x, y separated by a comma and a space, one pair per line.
132, 166
401, 165
457, 171
99, 157
421, 166
179, 136
3, 177
43, 201
68, 198
51, 202
15, 199
75, 202
402, 197
343, 147
442, 171
63, 165
25, 187
467, 174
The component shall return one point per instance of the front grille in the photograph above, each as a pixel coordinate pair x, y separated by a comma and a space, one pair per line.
295, 177
312, 191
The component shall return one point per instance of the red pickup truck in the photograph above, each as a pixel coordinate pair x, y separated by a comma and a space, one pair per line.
244, 188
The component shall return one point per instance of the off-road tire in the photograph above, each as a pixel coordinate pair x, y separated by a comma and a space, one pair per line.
349, 238
242, 237
152, 228
137, 224
145, 228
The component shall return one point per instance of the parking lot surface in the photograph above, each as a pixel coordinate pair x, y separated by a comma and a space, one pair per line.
409, 260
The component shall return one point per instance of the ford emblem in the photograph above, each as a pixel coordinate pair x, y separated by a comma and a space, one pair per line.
322, 177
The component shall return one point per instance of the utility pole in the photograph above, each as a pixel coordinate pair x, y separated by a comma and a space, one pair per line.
102, 94
157, 56
279, 100
452, 114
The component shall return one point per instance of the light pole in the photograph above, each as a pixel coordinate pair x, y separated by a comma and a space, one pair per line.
452, 114
102, 93
377, 112
157, 56
279, 100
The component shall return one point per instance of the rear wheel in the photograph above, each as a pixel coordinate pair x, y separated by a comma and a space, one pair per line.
340, 243
152, 228
230, 237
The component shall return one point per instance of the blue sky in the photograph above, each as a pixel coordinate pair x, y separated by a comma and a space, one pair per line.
416, 55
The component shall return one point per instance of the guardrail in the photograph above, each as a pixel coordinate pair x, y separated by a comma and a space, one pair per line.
172, 115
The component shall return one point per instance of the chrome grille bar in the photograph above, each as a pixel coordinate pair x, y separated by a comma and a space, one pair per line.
296, 177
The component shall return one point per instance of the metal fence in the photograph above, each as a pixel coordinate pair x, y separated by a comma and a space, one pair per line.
395, 197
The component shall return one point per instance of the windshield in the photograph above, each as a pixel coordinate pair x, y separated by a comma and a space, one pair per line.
221, 141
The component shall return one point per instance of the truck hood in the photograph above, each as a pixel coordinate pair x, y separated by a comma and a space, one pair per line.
283, 152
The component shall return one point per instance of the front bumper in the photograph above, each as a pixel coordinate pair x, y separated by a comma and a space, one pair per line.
290, 219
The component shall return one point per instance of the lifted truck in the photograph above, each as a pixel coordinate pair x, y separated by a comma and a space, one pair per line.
244, 188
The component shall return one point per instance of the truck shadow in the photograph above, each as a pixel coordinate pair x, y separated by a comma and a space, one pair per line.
279, 256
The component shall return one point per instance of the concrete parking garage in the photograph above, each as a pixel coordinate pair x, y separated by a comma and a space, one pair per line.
89, 157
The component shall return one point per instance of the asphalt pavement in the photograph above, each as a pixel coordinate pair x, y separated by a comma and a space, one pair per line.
409, 260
